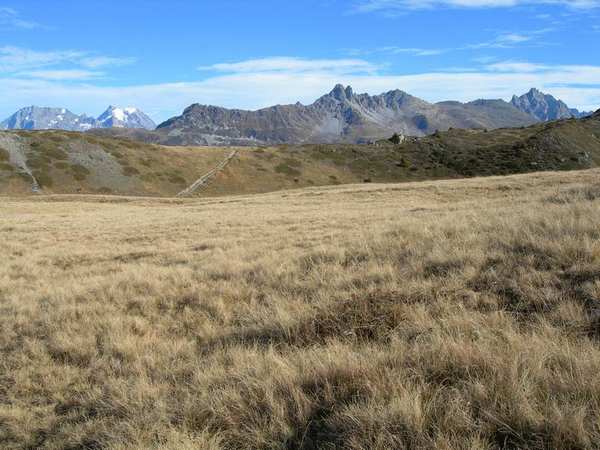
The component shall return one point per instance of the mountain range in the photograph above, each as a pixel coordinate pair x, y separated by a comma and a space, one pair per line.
341, 116
41, 118
344, 116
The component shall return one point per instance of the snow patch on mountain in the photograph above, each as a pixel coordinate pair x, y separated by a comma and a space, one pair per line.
39, 118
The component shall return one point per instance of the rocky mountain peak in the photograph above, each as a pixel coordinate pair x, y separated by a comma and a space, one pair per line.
534, 92
44, 118
543, 107
129, 117
341, 93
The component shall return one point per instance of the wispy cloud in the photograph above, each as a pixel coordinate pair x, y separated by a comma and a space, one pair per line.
94, 62
10, 18
517, 67
398, 6
413, 51
507, 40
293, 65
13, 59
62, 75
18, 59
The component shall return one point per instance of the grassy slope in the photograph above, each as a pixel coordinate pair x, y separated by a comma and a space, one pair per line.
452, 314
566, 145
71, 162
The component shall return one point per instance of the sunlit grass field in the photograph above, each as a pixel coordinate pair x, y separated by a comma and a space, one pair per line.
451, 315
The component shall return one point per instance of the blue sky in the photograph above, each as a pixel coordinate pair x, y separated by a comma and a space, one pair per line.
164, 55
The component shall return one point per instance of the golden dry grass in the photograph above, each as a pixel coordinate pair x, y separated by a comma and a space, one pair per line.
453, 314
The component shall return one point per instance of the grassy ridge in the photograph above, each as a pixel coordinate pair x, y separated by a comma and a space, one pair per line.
81, 163
451, 314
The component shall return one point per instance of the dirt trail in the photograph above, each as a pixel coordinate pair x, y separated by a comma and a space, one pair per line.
207, 177
15, 147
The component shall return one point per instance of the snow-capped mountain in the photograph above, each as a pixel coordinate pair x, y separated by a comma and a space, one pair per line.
39, 118
36, 118
130, 117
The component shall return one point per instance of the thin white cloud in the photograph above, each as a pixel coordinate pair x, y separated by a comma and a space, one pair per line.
577, 85
18, 59
517, 66
296, 65
62, 75
10, 18
505, 40
94, 62
394, 6
13, 59
413, 51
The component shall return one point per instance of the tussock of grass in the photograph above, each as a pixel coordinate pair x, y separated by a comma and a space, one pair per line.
286, 169
43, 177
79, 172
457, 314
130, 170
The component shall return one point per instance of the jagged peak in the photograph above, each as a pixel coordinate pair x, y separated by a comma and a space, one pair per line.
396, 93
534, 91
544, 106
341, 92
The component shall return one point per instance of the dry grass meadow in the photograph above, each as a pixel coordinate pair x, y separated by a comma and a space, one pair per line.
447, 315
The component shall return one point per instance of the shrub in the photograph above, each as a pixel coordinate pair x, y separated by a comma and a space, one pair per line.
56, 153
129, 170
39, 161
62, 165
287, 170
176, 179
79, 172
395, 139
43, 178
292, 162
